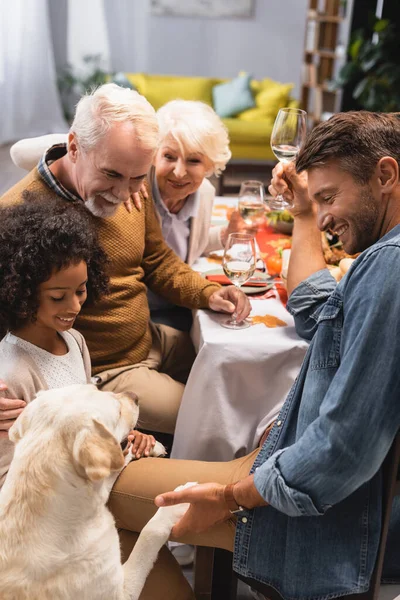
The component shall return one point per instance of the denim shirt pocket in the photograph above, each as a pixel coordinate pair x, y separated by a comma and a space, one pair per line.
326, 343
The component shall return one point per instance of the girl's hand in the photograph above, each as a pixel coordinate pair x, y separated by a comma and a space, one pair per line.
136, 199
10, 409
140, 444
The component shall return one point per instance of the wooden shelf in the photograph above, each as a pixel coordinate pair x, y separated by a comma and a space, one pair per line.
327, 19
320, 86
323, 53
321, 58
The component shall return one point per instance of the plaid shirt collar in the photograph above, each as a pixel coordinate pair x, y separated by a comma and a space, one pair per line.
52, 154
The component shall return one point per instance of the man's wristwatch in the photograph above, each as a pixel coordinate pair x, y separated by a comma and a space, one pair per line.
230, 501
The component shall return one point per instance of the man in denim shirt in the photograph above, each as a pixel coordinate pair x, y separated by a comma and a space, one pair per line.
312, 504
310, 511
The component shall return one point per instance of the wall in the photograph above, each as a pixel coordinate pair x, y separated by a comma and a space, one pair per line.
268, 45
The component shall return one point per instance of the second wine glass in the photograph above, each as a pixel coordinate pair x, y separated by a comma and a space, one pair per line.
239, 264
251, 202
288, 135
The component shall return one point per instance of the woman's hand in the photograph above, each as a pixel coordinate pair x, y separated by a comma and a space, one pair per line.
140, 444
237, 225
207, 507
293, 186
136, 199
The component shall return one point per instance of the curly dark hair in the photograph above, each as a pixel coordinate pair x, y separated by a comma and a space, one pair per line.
37, 238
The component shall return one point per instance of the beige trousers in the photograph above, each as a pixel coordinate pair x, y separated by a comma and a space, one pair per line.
132, 504
159, 380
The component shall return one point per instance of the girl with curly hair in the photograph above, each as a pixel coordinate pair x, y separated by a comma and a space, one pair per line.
50, 264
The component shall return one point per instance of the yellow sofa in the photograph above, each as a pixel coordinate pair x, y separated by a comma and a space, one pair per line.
249, 131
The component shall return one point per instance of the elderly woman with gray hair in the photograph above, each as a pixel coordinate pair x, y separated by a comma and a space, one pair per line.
194, 145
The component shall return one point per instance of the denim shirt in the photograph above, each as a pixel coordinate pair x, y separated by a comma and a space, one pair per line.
320, 467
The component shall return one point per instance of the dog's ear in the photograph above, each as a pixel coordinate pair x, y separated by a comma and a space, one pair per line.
97, 452
19, 427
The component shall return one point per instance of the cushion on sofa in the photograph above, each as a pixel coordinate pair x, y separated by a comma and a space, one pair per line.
233, 97
268, 102
160, 89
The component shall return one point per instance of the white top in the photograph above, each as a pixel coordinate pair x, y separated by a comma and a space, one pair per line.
28, 369
57, 371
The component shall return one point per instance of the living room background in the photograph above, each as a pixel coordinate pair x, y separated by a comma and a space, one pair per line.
268, 44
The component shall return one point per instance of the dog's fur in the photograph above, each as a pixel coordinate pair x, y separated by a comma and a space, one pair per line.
58, 540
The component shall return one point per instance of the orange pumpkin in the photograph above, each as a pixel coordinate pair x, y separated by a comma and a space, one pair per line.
274, 264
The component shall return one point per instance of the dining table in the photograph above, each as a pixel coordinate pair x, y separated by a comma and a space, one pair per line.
240, 378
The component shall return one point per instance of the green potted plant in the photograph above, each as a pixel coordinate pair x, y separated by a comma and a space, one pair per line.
72, 84
373, 69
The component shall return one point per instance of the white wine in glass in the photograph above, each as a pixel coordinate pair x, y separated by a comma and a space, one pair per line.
239, 264
288, 135
251, 202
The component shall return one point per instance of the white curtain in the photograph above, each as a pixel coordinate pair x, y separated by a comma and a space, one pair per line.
128, 33
29, 101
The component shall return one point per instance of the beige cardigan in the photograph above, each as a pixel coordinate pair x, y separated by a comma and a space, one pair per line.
24, 380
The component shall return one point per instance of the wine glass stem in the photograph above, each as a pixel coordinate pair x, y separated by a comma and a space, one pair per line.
234, 315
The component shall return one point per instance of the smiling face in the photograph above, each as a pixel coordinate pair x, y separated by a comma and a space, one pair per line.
353, 211
112, 171
179, 175
61, 298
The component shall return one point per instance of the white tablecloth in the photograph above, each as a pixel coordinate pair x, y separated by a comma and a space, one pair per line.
237, 384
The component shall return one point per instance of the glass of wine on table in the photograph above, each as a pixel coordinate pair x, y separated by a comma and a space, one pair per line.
239, 264
251, 202
288, 135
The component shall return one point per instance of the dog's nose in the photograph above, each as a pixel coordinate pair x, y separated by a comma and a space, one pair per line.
132, 397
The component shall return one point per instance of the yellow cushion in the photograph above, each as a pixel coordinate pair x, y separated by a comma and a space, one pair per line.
274, 95
159, 89
268, 103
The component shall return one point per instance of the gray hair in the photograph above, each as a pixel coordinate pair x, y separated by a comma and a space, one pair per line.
196, 128
110, 103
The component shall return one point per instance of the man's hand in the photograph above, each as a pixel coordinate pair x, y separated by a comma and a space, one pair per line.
140, 443
238, 225
230, 300
207, 508
10, 409
136, 199
293, 186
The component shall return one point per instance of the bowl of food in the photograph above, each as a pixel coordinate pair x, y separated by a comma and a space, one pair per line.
280, 220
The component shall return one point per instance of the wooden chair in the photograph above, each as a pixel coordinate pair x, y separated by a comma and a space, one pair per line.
215, 579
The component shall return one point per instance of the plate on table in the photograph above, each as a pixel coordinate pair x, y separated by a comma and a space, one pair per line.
248, 288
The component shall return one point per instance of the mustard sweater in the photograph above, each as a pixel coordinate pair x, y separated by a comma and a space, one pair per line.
117, 329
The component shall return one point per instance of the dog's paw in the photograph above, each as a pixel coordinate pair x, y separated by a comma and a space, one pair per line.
185, 486
158, 450
170, 515
128, 457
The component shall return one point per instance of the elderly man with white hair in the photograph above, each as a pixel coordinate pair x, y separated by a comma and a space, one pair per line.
193, 146
111, 146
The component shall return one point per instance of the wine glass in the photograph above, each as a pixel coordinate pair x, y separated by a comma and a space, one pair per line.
287, 136
239, 263
251, 201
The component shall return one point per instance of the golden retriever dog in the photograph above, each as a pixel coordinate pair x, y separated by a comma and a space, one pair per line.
58, 539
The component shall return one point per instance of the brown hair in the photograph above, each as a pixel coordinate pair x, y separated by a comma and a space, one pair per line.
356, 140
